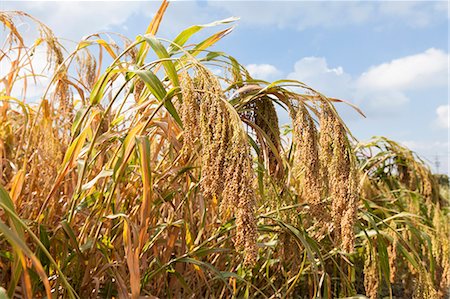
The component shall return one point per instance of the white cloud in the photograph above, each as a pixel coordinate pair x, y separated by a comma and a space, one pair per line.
443, 119
421, 70
73, 20
70, 19
263, 71
315, 72
380, 90
311, 66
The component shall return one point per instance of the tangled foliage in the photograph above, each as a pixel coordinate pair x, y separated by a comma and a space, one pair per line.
155, 177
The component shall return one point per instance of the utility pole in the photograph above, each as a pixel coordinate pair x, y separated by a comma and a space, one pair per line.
437, 163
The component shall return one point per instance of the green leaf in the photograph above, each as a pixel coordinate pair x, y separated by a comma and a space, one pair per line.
22, 248
183, 37
204, 265
73, 239
45, 240
8, 206
166, 61
157, 89
210, 41
383, 258
100, 86
6, 201
408, 256
153, 83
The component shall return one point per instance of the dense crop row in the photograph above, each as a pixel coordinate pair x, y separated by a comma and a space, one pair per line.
157, 168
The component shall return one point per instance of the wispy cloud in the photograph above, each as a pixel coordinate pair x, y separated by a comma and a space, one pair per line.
329, 14
297, 15
414, 13
73, 20
263, 71
421, 70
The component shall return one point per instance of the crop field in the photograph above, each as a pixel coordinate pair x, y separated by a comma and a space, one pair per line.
141, 171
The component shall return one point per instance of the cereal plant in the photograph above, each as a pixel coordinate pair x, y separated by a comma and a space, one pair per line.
138, 172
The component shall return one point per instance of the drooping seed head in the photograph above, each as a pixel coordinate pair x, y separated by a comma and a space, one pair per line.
306, 159
371, 274
226, 163
266, 118
190, 111
339, 172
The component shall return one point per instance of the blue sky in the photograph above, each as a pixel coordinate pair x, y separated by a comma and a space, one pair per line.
388, 57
